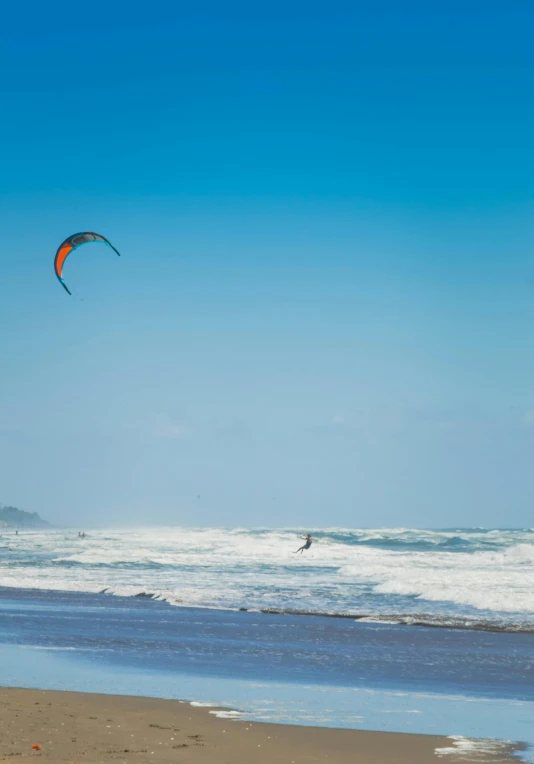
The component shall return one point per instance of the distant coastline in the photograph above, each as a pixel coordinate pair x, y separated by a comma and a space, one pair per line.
11, 517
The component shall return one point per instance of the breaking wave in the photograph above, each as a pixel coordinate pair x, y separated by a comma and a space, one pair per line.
461, 578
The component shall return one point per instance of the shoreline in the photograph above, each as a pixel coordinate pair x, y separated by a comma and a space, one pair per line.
130, 729
286, 669
421, 620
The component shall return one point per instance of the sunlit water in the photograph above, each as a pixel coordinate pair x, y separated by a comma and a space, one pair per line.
62, 627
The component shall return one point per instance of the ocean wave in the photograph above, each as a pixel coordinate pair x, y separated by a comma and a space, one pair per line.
223, 714
473, 749
500, 581
429, 620
52, 649
483, 574
520, 552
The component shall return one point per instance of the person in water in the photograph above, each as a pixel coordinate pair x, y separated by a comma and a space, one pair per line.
307, 545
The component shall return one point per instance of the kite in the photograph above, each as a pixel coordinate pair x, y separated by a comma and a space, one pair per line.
72, 243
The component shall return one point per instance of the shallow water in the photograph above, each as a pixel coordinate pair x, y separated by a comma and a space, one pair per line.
317, 650
283, 668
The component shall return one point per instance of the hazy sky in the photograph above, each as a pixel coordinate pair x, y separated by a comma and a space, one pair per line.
324, 309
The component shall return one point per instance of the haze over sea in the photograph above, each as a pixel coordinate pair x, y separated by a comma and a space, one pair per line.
470, 578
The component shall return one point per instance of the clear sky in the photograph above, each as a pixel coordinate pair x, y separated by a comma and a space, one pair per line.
324, 309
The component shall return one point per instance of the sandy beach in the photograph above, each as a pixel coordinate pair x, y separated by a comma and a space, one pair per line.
74, 727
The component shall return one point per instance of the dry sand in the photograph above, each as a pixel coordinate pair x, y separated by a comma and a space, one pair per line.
79, 727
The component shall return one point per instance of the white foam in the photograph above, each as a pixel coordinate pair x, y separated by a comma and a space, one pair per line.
472, 749
224, 568
51, 649
221, 714
485, 580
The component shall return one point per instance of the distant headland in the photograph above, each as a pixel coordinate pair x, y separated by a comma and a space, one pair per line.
11, 517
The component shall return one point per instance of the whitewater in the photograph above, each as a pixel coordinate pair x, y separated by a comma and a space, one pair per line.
467, 578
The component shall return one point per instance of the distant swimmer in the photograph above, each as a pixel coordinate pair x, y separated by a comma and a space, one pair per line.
307, 545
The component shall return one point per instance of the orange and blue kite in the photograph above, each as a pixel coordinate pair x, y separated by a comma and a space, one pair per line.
72, 243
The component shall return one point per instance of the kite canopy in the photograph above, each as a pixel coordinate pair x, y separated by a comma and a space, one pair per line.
72, 243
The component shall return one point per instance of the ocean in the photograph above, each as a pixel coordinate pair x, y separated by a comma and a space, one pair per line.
234, 619
471, 578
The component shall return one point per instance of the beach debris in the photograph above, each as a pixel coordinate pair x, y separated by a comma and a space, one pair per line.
69, 245
36, 747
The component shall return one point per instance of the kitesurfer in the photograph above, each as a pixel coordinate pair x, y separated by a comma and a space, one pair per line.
308, 539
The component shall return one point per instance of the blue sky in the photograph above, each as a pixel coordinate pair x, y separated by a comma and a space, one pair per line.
324, 309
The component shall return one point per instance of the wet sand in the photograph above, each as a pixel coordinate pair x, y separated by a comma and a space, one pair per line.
82, 727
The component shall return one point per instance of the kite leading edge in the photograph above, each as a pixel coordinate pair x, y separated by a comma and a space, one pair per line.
70, 244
